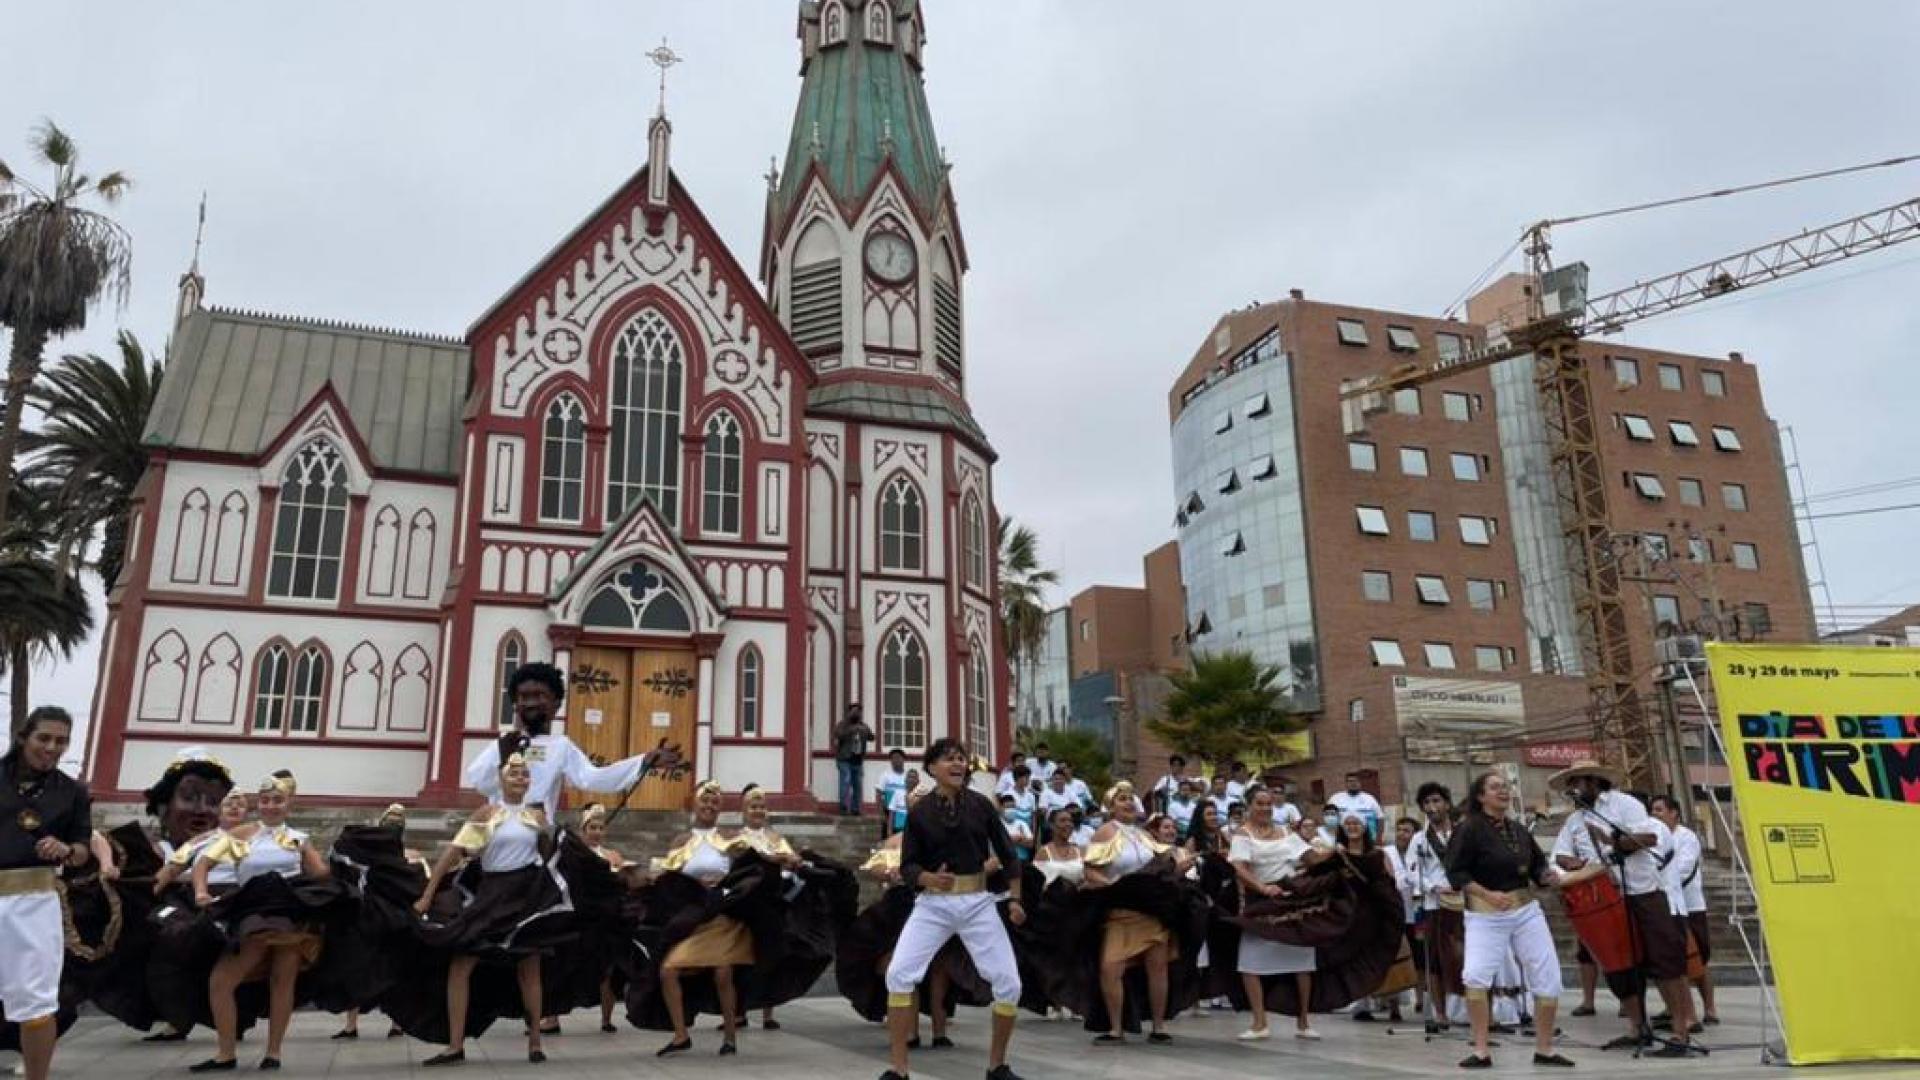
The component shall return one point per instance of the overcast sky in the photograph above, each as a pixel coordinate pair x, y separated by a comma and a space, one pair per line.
1126, 170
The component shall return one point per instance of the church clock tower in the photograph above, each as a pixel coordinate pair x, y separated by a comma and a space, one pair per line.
863, 261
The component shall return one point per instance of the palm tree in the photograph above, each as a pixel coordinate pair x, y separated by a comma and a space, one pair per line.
1023, 586
56, 259
1229, 707
88, 451
43, 609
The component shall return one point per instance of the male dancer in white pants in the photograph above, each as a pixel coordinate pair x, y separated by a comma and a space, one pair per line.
957, 853
46, 819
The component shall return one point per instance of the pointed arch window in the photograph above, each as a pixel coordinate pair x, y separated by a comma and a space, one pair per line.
751, 686
310, 525
513, 653
637, 598
643, 455
833, 23
563, 459
289, 690
902, 526
979, 726
903, 690
720, 471
973, 542
880, 22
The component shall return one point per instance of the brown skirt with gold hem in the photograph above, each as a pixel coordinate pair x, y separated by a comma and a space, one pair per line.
1130, 934
721, 941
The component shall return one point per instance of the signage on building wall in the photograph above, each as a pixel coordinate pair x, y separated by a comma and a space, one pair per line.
595, 717
663, 719
1441, 718
1559, 755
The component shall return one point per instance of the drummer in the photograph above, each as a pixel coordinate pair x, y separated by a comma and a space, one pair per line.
1611, 826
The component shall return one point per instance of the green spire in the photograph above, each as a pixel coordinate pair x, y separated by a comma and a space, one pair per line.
862, 101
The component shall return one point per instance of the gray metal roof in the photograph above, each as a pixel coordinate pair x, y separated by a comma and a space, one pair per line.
236, 379
914, 406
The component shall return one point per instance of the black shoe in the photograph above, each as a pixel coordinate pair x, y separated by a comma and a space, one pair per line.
1477, 1061
1435, 1027
727, 1049
1363, 1017
1000, 1072
608, 1029
913, 1043
1159, 1038
1556, 1061
269, 1064
345, 1033
1711, 1021
1622, 1042
537, 1057
941, 1042
771, 1025
673, 1048
170, 1035
1108, 1038
215, 1065
1582, 1010
445, 1057
891, 1075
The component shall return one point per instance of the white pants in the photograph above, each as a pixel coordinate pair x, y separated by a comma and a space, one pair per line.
1523, 931
32, 948
936, 918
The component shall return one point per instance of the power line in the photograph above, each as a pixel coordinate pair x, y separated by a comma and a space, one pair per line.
1858, 513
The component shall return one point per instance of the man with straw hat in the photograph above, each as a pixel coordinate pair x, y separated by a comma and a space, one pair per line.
1609, 826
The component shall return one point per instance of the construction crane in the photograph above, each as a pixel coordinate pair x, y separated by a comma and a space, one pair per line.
1559, 314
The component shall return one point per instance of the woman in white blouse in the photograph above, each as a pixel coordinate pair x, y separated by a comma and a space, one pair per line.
1264, 855
1122, 847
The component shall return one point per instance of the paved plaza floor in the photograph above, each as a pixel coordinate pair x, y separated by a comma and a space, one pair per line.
820, 1039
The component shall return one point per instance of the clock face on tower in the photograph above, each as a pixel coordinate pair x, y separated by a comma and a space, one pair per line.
890, 257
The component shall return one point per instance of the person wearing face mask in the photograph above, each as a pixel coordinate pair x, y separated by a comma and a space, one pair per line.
275, 919
46, 819
553, 760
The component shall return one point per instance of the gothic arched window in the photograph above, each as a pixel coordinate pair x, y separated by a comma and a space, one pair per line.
513, 653
751, 690
833, 23
310, 526
979, 728
637, 598
973, 542
289, 690
903, 690
902, 526
720, 476
563, 459
643, 454
880, 22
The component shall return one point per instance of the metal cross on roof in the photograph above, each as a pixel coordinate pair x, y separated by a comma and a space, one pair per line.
663, 58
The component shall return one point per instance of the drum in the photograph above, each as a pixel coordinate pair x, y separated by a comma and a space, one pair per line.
1600, 918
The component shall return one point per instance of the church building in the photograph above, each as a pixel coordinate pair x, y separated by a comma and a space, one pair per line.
728, 509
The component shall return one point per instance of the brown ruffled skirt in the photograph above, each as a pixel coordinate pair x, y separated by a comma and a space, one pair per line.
721, 941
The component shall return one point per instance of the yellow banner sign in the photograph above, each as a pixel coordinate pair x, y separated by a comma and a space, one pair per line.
1824, 748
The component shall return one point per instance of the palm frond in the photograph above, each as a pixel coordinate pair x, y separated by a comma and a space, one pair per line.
54, 146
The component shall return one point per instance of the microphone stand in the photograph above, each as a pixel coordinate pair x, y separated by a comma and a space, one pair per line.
1618, 861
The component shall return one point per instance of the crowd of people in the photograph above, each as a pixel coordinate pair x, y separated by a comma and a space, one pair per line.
1122, 910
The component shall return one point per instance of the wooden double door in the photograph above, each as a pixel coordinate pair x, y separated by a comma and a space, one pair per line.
626, 701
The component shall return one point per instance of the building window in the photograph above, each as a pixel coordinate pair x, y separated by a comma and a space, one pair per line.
310, 525
289, 691
903, 690
1755, 620
563, 459
637, 598
1734, 495
1376, 585
1402, 339
643, 454
1234, 544
1258, 405
1746, 556
1626, 371
1373, 520
1456, 406
1413, 461
1086, 629
1682, 433
1713, 382
1479, 594
1666, 612
1655, 546
1700, 549
1406, 401
1386, 653
1224, 422
513, 653
1273, 596
1648, 485
1193, 504
1449, 347
1489, 658
1690, 492
1477, 531
1670, 377
750, 690
979, 731
1431, 589
1263, 468
1420, 526
1352, 331
1725, 438
1227, 482
902, 526
1439, 655
720, 476
1466, 467
973, 542
1638, 429
1362, 456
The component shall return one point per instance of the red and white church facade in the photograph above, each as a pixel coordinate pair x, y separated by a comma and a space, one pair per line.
727, 510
